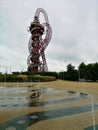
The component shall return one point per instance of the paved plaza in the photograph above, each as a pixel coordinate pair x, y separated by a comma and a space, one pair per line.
58, 105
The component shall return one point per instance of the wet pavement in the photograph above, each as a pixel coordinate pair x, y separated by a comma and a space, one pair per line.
10, 98
35, 95
95, 127
24, 121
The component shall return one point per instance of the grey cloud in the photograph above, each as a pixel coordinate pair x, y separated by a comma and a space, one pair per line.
74, 37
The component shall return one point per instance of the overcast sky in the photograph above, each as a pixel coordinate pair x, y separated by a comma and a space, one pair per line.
74, 32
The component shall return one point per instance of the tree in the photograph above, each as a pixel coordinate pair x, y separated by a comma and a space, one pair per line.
92, 71
82, 70
70, 68
72, 73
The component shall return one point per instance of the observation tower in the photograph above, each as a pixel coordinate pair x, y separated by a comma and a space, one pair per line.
39, 40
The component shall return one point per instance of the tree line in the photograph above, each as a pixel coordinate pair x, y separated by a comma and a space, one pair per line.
87, 72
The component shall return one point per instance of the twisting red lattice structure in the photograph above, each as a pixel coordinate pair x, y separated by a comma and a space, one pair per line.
37, 44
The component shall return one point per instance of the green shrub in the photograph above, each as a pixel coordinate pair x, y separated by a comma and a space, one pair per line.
24, 78
1, 78
49, 78
39, 78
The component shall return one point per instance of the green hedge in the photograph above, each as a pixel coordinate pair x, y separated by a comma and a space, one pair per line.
39, 78
25, 78
54, 74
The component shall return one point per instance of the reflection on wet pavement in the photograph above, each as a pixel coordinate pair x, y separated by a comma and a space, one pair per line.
12, 100
45, 103
23, 121
26, 101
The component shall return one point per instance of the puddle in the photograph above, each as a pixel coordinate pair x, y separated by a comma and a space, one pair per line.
12, 99
26, 101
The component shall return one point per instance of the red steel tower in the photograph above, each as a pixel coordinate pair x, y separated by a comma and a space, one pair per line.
37, 44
